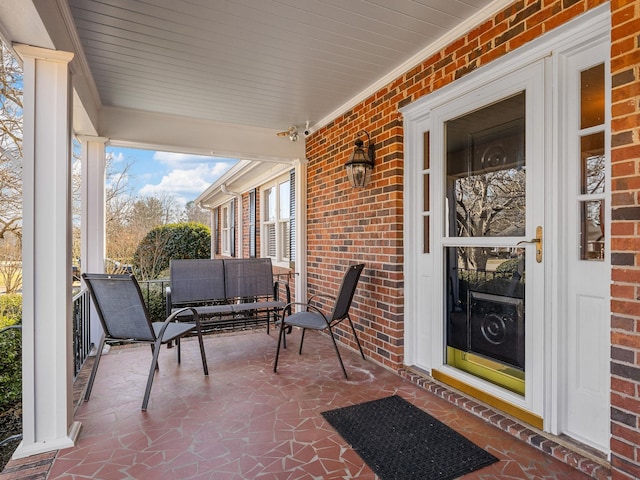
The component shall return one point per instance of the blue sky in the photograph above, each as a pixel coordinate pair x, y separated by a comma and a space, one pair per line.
184, 176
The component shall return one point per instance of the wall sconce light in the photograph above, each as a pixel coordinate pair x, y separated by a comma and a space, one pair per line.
360, 165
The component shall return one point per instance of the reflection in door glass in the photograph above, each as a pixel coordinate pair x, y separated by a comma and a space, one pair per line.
592, 154
592, 230
592, 96
486, 315
592, 165
486, 171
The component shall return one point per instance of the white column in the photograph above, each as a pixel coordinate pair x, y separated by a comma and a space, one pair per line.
47, 343
92, 217
301, 230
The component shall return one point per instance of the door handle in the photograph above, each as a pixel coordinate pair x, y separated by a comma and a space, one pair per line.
537, 241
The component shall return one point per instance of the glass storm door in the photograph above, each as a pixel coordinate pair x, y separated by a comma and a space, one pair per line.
493, 235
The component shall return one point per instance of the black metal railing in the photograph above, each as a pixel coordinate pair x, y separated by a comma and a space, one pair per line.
81, 330
153, 293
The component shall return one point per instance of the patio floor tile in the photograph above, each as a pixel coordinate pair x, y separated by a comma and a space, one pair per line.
245, 422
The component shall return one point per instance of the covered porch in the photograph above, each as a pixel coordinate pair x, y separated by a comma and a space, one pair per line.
244, 421
226, 79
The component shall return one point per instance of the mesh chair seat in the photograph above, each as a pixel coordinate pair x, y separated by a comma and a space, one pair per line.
173, 330
311, 320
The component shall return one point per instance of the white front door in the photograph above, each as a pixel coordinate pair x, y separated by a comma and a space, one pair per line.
586, 247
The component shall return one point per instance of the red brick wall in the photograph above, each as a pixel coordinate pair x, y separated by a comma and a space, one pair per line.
625, 239
347, 226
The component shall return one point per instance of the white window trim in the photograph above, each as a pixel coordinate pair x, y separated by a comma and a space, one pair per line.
225, 232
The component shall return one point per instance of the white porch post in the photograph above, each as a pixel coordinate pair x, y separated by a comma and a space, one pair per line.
47, 345
301, 230
92, 222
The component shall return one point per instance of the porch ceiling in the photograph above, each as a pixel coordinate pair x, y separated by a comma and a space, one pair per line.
258, 66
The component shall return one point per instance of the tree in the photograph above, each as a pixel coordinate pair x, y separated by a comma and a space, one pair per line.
11, 263
193, 213
149, 212
490, 204
177, 240
11, 131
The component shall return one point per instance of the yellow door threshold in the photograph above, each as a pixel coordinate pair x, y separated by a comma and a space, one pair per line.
508, 408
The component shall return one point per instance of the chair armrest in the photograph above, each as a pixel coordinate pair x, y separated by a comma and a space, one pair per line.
173, 316
321, 295
287, 308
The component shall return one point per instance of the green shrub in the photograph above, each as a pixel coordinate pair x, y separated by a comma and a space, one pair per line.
175, 240
10, 350
508, 266
10, 367
10, 309
155, 300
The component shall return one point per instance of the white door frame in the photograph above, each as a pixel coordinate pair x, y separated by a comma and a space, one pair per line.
424, 337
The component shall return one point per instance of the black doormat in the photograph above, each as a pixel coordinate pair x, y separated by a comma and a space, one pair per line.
400, 441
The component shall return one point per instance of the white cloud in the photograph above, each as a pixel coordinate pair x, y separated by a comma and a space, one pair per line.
187, 182
118, 157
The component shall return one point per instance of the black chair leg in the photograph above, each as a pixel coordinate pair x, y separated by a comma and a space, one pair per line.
152, 371
280, 335
203, 355
356, 336
153, 350
96, 361
335, 346
269, 320
301, 340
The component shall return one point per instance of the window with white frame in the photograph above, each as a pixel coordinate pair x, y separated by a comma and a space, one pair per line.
276, 223
226, 228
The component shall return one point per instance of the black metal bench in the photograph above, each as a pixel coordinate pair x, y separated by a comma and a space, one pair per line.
226, 292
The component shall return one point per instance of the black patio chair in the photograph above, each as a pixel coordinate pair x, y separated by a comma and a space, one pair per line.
125, 318
313, 318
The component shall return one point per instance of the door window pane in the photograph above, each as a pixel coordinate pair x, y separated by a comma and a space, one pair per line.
592, 153
425, 153
592, 230
486, 174
592, 96
425, 234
